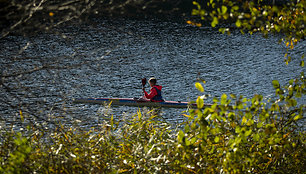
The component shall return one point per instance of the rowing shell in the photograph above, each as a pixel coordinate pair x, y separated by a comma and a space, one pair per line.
135, 102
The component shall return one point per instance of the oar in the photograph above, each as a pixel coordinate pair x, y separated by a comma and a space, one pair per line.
143, 81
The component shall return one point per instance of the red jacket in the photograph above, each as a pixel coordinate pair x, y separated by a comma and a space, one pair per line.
153, 93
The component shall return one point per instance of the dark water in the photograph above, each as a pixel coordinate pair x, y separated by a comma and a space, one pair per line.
109, 58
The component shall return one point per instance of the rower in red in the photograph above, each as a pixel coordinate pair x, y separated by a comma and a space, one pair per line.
155, 91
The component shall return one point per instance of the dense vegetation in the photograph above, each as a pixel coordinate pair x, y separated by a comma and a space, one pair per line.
234, 135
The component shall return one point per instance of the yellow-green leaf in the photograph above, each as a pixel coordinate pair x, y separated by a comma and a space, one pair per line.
298, 117
214, 22
217, 139
238, 23
250, 122
235, 8
223, 99
21, 115
197, 4
180, 136
200, 102
194, 12
244, 120
224, 9
199, 87
275, 84
247, 133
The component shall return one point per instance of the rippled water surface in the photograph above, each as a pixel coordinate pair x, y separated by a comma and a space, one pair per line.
109, 58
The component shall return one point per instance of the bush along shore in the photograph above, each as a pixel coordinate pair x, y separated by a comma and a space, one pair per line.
234, 135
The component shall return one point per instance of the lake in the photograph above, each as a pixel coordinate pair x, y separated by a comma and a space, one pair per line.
108, 58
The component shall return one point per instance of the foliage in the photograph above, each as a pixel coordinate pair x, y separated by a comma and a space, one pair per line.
234, 135
16, 155
253, 135
248, 135
257, 16
140, 144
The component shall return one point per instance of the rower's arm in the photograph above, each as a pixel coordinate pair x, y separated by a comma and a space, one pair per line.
153, 93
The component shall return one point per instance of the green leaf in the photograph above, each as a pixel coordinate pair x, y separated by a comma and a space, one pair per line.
214, 22
276, 140
235, 8
222, 30
195, 12
180, 136
112, 121
187, 142
247, 133
200, 102
224, 9
238, 23
275, 84
217, 139
199, 87
244, 120
250, 122
223, 99
237, 129
21, 115
298, 117
197, 4
256, 137
193, 140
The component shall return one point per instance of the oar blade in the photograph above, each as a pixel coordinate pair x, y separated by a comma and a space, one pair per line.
143, 81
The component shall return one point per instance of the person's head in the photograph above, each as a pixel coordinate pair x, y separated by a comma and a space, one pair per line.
152, 81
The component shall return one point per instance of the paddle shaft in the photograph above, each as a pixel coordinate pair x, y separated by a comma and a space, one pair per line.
143, 82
